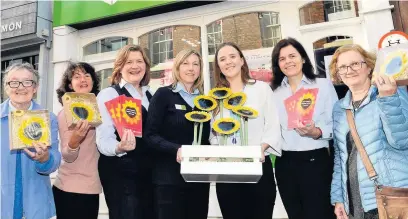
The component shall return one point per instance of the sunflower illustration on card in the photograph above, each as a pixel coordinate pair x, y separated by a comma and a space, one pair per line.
300, 107
126, 113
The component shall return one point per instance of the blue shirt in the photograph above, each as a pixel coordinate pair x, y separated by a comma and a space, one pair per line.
105, 133
322, 116
38, 200
188, 97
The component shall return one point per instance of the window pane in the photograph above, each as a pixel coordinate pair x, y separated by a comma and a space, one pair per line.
162, 57
210, 28
218, 38
162, 36
170, 55
155, 36
156, 58
211, 50
169, 45
210, 39
169, 34
155, 48
91, 49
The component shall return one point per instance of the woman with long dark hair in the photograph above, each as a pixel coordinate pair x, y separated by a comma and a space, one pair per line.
303, 172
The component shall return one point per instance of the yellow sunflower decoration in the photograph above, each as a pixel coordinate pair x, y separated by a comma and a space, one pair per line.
197, 116
395, 65
205, 103
80, 111
234, 100
34, 129
226, 126
131, 113
305, 103
220, 93
245, 112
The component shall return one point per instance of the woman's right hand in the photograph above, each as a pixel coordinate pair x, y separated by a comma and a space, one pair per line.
80, 131
127, 142
340, 211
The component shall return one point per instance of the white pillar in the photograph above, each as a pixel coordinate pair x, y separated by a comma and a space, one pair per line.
204, 54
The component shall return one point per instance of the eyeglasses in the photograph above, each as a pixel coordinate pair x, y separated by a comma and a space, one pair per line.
16, 84
355, 66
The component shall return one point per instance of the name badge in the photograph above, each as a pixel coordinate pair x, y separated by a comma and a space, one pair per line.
180, 107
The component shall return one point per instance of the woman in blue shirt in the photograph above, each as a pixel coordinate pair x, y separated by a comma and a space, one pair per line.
303, 172
167, 130
125, 161
25, 182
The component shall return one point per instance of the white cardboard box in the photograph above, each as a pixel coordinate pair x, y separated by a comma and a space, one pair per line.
221, 172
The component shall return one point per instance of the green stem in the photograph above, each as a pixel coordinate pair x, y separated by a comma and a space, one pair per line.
200, 133
246, 130
241, 133
195, 133
221, 108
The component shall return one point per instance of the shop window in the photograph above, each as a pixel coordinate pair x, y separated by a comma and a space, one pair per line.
106, 45
328, 10
161, 45
105, 77
270, 28
214, 36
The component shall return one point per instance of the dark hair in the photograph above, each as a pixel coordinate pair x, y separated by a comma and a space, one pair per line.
220, 80
67, 78
278, 75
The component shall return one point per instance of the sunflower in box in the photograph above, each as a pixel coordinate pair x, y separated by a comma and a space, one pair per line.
395, 65
220, 93
205, 103
226, 126
81, 111
245, 113
32, 130
198, 118
234, 100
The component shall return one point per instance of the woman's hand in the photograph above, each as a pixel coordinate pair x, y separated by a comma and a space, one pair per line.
308, 130
80, 131
179, 158
40, 153
340, 211
127, 143
387, 86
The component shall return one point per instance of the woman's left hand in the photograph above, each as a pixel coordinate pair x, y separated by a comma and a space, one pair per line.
387, 86
41, 153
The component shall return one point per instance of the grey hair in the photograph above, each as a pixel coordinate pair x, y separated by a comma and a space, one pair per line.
18, 66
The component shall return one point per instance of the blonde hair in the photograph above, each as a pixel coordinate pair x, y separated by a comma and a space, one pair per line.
121, 61
180, 58
369, 58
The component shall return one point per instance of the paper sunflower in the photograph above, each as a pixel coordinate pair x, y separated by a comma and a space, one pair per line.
220, 93
234, 100
226, 126
197, 116
81, 111
395, 64
131, 113
305, 103
246, 112
33, 130
205, 103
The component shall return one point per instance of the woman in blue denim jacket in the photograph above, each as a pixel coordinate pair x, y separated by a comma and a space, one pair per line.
25, 182
381, 117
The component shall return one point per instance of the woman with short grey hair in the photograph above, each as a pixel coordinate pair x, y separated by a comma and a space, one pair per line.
25, 182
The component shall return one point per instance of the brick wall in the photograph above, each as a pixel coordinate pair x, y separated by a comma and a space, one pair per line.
312, 13
189, 33
144, 43
242, 29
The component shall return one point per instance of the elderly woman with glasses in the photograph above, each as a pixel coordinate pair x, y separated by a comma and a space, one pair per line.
380, 112
25, 182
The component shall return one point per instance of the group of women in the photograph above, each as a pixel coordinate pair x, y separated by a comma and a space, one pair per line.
141, 177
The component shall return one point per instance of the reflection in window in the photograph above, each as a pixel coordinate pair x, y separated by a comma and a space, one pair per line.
105, 77
214, 36
106, 45
161, 45
270, 28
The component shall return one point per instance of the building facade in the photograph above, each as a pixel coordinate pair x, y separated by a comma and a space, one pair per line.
321, 26
26, 36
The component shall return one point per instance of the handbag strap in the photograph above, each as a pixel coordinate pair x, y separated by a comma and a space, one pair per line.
361, 150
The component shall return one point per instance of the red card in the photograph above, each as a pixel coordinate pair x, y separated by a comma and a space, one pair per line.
300, 106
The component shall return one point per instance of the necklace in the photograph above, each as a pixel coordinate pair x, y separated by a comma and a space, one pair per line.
357, 104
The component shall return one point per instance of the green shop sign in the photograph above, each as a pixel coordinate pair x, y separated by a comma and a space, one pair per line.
73, 12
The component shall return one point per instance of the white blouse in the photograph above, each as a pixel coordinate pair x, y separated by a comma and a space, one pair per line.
263, 129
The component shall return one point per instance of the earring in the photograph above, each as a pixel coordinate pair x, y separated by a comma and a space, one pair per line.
304, 62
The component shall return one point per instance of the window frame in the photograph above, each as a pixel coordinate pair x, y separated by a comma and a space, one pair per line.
166, 52
272, 26
212, 34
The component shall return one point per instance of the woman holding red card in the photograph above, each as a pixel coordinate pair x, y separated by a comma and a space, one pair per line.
77, 180
303, 172
125, 162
